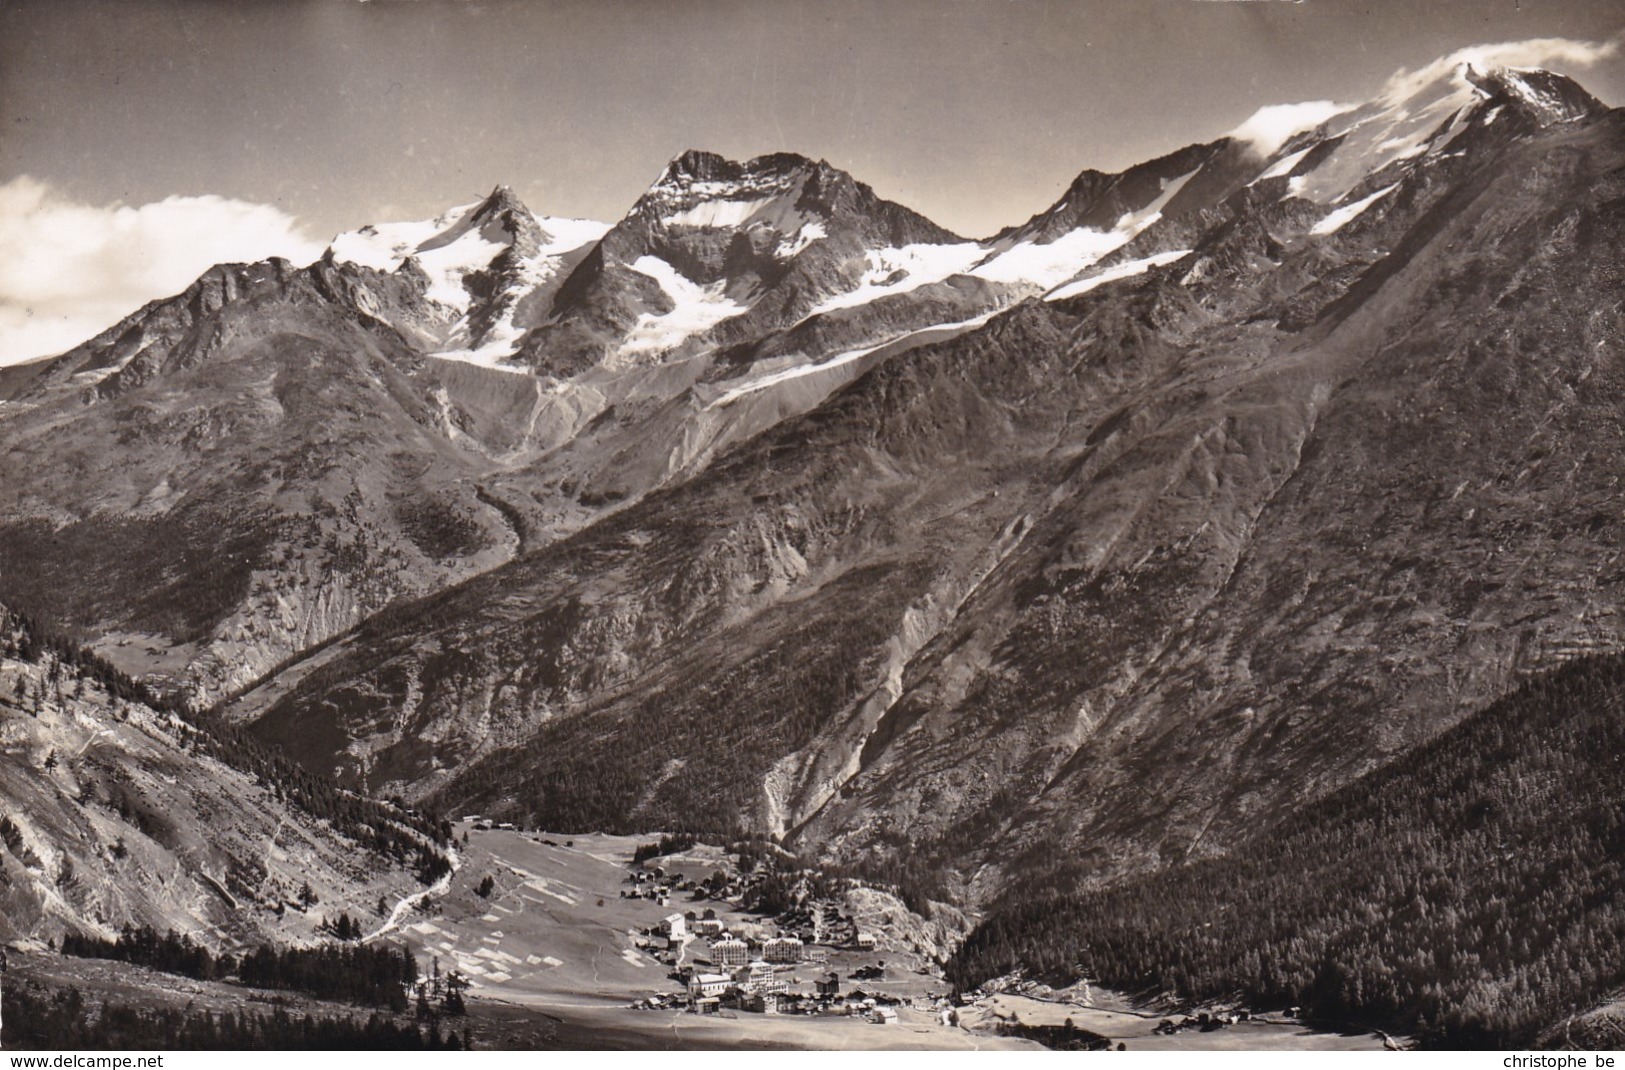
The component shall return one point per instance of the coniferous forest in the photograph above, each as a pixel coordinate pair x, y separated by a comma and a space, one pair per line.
62, 1018
1472, 892
375, 975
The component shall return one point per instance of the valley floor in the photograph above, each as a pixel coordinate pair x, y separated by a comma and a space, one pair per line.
1113, 1017
553, 959
556, 936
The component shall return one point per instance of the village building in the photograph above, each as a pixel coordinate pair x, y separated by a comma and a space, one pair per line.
763, 1002
707, 1005
866, 940
782, 949
707, 927
883, 1016
730, 952
675, 926
703, 985
828, 987
756, 977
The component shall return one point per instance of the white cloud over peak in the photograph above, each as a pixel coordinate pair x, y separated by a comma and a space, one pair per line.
1536, 52
1270, 126
70, 270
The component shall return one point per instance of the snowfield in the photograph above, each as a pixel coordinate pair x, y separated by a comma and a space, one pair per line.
900, 270
386, 246
718, 213
696, 309
1112, 274
1339, 219
786, 374
1283, 166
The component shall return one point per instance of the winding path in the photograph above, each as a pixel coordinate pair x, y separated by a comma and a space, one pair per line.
408, 902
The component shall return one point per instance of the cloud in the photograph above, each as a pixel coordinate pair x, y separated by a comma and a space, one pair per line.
1270, 126
70, 270
1536, 52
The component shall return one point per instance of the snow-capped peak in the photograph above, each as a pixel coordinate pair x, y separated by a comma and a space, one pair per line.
701, 190
466, 241
1420, 112
697, 168
1543, 95
450, 246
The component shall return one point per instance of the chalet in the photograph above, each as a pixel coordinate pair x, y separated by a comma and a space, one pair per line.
674, 926
782, 949
883, 1016
730, 952
866, 940
706, 927
707, 1005
705, 985
762, 1002
829, 987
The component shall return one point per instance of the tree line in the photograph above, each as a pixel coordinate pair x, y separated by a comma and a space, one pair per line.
38, 1018
669, 844
415, 839
1471, 892
375, 975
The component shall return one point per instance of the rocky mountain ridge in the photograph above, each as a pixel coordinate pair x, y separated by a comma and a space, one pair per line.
1213, 486
1130, 569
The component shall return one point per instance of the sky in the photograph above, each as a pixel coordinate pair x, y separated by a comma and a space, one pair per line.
142, 140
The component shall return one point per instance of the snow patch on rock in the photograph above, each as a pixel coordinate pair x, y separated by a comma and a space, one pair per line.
1340, 218
695, 308
1115, 272
717, 213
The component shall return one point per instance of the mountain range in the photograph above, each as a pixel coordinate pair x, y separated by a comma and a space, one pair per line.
776, 508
